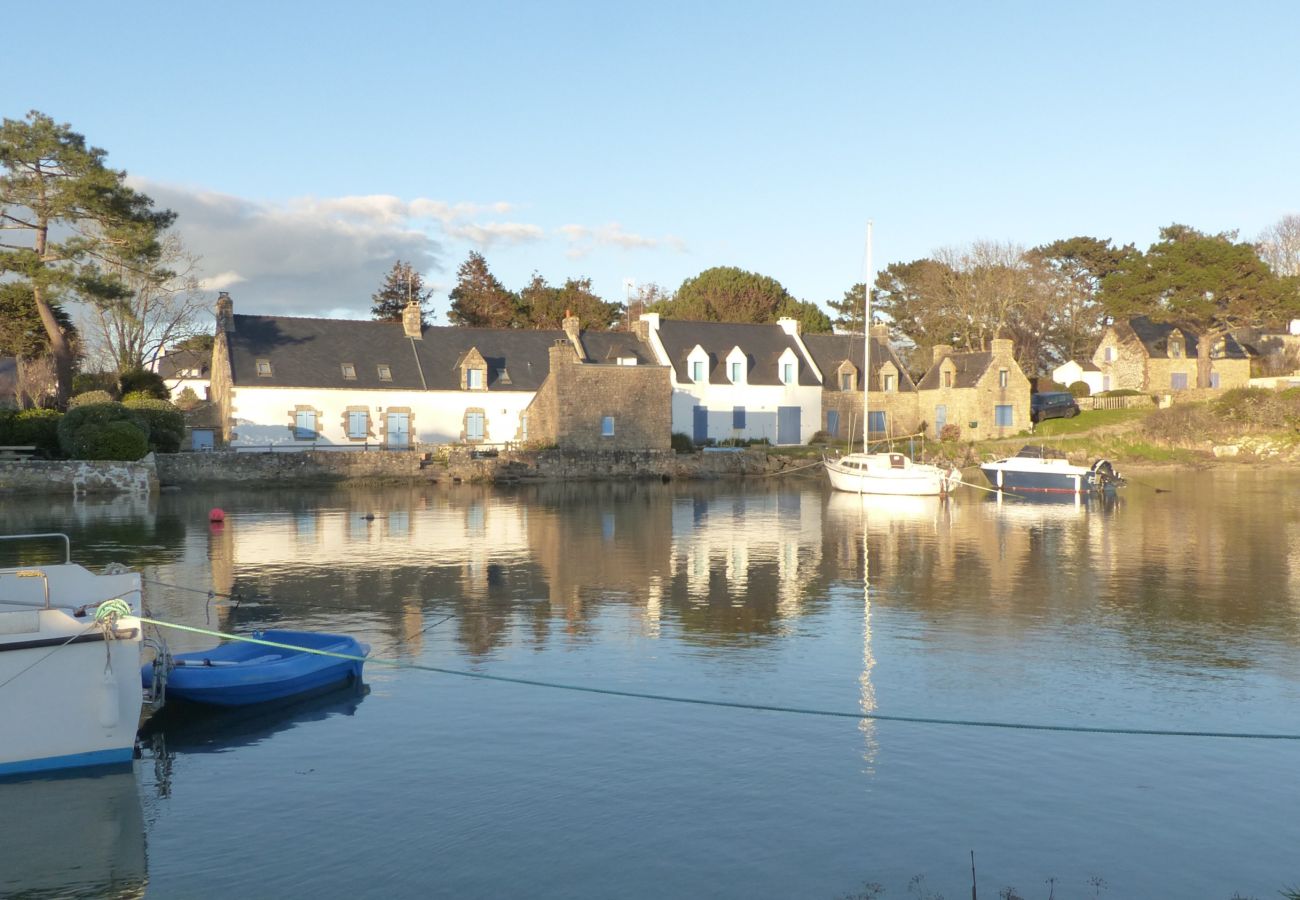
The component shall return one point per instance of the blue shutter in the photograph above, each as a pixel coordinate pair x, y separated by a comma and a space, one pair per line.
876, 421
1002, 415
833, 423
738, 417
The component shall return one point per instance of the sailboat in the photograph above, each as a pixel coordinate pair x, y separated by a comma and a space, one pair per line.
887, 472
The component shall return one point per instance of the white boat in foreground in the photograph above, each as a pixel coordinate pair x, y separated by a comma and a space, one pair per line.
70, 693
889, 473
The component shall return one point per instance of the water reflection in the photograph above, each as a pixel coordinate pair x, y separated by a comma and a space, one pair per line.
73, 836
182, 728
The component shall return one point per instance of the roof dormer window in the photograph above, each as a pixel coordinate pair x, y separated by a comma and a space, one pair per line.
474, 379
737, 366
349, 371
263, 368
1175, 348
385, 373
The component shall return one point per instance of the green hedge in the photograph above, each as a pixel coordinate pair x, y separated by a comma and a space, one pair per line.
37, 428
80, 418
119, 439
165, 422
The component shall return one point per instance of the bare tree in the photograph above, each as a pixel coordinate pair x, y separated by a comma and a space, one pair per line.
1279, 246
163, 306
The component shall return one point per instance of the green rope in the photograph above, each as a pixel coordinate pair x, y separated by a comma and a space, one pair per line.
735, 704
109, 608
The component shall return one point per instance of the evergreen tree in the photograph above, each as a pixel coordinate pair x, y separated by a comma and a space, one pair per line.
545, 306
848, 310
21, 332
63, 209
479, 300
401, 285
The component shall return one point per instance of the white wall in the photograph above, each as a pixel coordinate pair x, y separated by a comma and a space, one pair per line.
264, 415
760, 402
1070, 372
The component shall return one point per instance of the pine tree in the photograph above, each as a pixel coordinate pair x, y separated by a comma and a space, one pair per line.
63, 209
849, 309
401, 285
479, 300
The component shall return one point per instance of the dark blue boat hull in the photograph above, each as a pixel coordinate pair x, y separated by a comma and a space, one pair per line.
1039, 482
240, 673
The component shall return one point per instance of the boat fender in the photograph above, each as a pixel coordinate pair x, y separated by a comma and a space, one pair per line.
108, 705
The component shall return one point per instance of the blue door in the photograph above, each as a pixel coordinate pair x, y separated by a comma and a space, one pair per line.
787, 424
201, 439
940, 418
700, 430
399, 436
833, 423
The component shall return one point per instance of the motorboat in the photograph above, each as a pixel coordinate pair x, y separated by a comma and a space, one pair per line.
889, 473
69, 652
273, 665
1037, 469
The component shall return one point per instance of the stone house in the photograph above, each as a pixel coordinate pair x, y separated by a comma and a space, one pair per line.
603, 391
984, 393
303, 382
1160, 357
737, 381
892, 402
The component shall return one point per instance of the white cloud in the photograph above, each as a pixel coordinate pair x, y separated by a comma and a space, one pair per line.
309, 255
487, 234
583, 240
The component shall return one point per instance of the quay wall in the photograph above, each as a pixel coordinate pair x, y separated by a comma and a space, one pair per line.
78, 477
456, 464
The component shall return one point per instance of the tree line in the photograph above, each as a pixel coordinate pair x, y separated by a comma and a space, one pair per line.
73, 231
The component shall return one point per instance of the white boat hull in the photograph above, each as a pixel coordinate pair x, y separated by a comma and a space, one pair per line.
70, 692
890, 474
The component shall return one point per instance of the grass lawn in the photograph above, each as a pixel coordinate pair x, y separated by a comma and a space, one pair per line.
1090, 419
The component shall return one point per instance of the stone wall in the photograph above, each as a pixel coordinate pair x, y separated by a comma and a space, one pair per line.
902, 413
78, 477
576, 398
305, 467
464, 464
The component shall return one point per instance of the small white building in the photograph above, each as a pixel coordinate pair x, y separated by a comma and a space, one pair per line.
181, 369
1081, 370
738, 381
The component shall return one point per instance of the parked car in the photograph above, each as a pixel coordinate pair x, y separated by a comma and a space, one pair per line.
1052, 405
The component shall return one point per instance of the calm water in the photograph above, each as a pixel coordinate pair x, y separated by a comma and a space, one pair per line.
1174, 610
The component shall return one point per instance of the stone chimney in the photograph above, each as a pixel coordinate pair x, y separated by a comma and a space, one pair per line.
790, 326
225, 312
574, 333
880, 333
1002, 347
939, 351
411, 321
645, 323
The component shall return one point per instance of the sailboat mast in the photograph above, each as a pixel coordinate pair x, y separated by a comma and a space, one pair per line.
866, 343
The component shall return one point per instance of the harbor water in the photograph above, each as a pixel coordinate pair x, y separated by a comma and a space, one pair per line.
1174, 608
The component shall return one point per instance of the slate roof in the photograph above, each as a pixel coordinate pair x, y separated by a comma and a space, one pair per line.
8, 379
179, 360
608, 346
1155, 338
762, 345
830, 350
970, 366
310, 353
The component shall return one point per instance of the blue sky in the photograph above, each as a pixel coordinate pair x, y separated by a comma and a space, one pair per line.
306, 146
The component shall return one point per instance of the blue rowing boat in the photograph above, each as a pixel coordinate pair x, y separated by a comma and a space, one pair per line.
240, 673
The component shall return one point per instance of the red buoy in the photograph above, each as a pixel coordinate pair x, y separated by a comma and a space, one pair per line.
216, 514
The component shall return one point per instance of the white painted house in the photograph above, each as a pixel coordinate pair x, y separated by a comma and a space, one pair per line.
1081, 370
296, 383
738, 381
